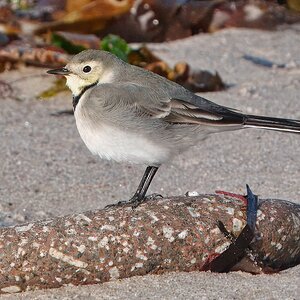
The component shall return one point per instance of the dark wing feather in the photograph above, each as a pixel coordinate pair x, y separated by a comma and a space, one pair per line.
190, 110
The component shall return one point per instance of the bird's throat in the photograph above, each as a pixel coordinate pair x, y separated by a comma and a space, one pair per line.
76, 98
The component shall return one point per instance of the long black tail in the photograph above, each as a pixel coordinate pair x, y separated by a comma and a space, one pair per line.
272, 123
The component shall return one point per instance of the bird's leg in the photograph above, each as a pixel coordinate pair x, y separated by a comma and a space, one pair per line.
141, 191
139, 195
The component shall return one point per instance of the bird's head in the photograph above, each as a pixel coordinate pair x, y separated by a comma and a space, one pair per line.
87, 68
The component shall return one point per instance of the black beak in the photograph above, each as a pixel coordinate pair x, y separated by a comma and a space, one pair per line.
60, 71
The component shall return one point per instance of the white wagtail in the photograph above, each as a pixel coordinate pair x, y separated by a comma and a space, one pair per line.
126, 113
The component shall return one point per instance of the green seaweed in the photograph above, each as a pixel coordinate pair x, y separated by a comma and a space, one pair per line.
116, 45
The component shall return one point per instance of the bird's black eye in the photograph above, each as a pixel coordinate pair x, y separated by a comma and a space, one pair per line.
86, 69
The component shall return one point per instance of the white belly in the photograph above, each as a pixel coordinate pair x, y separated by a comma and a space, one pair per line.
120, 145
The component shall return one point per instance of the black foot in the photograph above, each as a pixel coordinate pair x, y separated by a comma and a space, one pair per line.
135, 201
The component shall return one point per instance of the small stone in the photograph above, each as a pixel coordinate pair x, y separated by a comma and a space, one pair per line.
191, 194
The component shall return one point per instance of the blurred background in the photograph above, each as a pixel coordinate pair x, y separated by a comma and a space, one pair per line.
44, 32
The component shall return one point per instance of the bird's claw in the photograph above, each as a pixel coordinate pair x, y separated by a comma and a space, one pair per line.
135, 201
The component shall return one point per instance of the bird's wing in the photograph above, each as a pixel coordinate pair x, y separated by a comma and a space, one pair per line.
181, 108
159, 104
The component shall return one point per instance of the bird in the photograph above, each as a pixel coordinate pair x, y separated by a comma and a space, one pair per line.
128, 114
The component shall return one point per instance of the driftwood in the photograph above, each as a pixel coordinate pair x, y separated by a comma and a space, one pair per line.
174, 234
31, 55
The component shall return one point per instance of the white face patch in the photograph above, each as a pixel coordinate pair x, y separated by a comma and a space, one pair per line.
75, 84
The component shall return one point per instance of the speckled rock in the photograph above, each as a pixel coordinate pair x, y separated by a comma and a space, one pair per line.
176, 234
